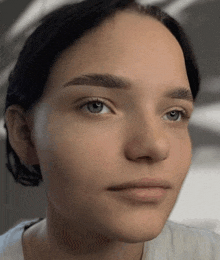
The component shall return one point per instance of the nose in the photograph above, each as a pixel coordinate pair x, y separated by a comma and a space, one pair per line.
147, 141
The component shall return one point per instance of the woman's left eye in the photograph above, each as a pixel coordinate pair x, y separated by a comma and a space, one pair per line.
176, 115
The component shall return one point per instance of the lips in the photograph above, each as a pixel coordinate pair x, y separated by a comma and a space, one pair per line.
141, 184
141, 191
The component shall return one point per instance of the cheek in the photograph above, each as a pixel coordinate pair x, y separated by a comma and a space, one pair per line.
181, 147
78, 166
182, 154
81, 156
180, 158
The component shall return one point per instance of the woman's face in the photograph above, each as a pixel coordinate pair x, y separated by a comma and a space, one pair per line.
137, 129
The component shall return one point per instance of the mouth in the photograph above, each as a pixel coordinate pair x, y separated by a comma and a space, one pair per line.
142, 184
144, 190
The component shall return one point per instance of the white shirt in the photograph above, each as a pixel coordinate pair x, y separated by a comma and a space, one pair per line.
176, 241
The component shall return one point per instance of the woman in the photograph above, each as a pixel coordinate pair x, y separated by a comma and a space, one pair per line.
98, 107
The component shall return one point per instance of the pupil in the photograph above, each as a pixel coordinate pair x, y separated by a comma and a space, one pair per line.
174, 115
95, 105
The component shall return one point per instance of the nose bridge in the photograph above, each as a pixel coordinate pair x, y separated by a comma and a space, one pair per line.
148, 138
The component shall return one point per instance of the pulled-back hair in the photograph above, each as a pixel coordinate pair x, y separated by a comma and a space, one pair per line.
57, 31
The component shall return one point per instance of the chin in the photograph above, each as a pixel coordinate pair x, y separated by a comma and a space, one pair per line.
140, 237
141, 232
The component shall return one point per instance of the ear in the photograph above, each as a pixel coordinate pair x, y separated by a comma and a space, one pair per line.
19, 134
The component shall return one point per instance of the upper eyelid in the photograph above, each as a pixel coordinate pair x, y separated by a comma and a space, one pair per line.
187, 110
177, 109
95, 99
184, 111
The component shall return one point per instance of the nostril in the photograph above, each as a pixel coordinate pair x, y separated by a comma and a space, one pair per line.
145, 158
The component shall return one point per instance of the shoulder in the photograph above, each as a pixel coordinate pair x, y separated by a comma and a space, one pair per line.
11, 241
181, 231
180, 241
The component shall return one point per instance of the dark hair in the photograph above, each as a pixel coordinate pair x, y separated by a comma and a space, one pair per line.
57, 31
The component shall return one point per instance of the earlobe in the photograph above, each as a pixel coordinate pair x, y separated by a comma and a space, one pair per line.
19, 134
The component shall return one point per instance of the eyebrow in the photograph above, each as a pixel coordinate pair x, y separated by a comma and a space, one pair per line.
115, 82
180, 93
101, 80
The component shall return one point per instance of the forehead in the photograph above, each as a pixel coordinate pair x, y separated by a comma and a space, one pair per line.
124, 30
130, 45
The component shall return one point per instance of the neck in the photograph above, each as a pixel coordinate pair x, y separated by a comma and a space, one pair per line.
62, 241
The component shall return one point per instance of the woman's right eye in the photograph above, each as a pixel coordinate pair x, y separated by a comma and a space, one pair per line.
95, 106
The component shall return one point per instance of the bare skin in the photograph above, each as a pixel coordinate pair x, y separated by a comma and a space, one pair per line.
83, 153
35, 247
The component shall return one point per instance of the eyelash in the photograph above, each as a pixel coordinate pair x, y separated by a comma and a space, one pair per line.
184, 115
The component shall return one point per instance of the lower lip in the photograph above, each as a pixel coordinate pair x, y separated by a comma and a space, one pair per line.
151, 194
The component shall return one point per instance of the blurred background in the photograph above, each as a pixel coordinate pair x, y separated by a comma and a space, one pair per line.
199, 201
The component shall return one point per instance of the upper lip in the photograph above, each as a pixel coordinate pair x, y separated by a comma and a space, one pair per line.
142, 183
